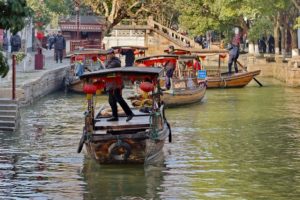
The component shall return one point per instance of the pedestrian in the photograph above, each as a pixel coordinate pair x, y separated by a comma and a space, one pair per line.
129, 56
233, 48
114, 90
271, 44
59, 46
15, 42
50, 40
5, 42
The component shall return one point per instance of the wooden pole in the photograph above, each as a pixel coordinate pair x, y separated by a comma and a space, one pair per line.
246, 70
13, 76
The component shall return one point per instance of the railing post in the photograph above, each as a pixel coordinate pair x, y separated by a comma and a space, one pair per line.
13, 76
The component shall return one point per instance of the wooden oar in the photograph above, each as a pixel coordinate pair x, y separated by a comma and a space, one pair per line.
246, 70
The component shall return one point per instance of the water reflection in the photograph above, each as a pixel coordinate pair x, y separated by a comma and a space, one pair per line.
121, 182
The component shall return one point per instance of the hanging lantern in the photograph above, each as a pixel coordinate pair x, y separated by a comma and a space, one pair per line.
222, 57
146, 86
99, 86
94, 58
202, 57
89, 89
40, 35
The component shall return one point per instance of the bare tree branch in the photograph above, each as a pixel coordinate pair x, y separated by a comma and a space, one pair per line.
296, 4
105, 6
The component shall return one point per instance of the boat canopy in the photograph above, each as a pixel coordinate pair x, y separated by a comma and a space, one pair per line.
127, 72
161, 59
130, 47
179, 51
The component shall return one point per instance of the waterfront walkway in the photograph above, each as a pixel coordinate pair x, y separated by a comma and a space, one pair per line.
27, 75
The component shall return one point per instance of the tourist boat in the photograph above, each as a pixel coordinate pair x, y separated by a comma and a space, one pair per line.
140, 140
185, 86
90, 59
216, 79
226, 80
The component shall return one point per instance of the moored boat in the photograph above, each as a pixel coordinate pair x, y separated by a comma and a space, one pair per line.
185, 87
140, 140
236, 80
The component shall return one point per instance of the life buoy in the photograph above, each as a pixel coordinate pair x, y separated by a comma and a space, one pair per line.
119, 151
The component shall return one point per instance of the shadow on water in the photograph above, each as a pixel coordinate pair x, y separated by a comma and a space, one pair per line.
121, 181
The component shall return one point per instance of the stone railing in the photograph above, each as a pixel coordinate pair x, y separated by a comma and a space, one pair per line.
141, 25
75, 44
178, 38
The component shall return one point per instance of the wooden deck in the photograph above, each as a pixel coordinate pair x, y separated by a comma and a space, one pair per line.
137, 122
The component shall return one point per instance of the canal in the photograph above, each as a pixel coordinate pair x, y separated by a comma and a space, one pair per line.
235, 144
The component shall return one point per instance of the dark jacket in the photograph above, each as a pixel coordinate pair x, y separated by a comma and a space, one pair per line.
114, 62
15, 42
129, 59
59, 42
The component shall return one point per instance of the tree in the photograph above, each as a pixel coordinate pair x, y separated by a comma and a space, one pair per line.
13, 16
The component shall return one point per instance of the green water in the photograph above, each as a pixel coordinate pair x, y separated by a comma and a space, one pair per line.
235, 144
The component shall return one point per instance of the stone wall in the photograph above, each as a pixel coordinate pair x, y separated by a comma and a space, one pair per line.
50, 81
287, 72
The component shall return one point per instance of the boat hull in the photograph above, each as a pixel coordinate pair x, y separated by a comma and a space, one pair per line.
138, 148
76, 86
184, 97
232, 81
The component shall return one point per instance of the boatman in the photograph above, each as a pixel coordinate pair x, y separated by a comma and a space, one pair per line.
170, 68
115, 91
129, 56
233, 48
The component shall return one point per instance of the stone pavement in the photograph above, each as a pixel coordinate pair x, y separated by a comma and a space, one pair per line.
26, 73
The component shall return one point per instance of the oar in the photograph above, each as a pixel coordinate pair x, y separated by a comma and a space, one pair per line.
246, 70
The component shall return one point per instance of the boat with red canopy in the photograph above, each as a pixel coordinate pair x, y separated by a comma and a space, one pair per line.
140, 140
185, 87
81, 61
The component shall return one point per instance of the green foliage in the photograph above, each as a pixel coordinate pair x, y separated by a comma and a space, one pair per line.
261, 27
4, 67
13, 14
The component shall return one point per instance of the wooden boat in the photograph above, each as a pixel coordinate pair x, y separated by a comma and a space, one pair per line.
185, 87
140, 140
91, 59
226, 80
216, 79
179, 51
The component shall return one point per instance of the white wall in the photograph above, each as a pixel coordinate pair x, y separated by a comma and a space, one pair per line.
120, 41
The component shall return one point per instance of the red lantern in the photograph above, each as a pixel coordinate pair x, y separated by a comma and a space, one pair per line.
94, 58
89, 89
202, 57
146, 86
40, 35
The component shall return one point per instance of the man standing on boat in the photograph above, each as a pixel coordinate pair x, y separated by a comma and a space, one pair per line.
170, 67
129, 56
233, 48
114, 90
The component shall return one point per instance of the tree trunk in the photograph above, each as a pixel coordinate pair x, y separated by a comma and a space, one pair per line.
294, 34
276, 38
251, 48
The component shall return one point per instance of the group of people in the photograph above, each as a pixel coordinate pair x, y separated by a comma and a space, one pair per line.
265, 44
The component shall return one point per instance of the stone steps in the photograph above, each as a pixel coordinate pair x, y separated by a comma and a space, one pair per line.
9, 115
